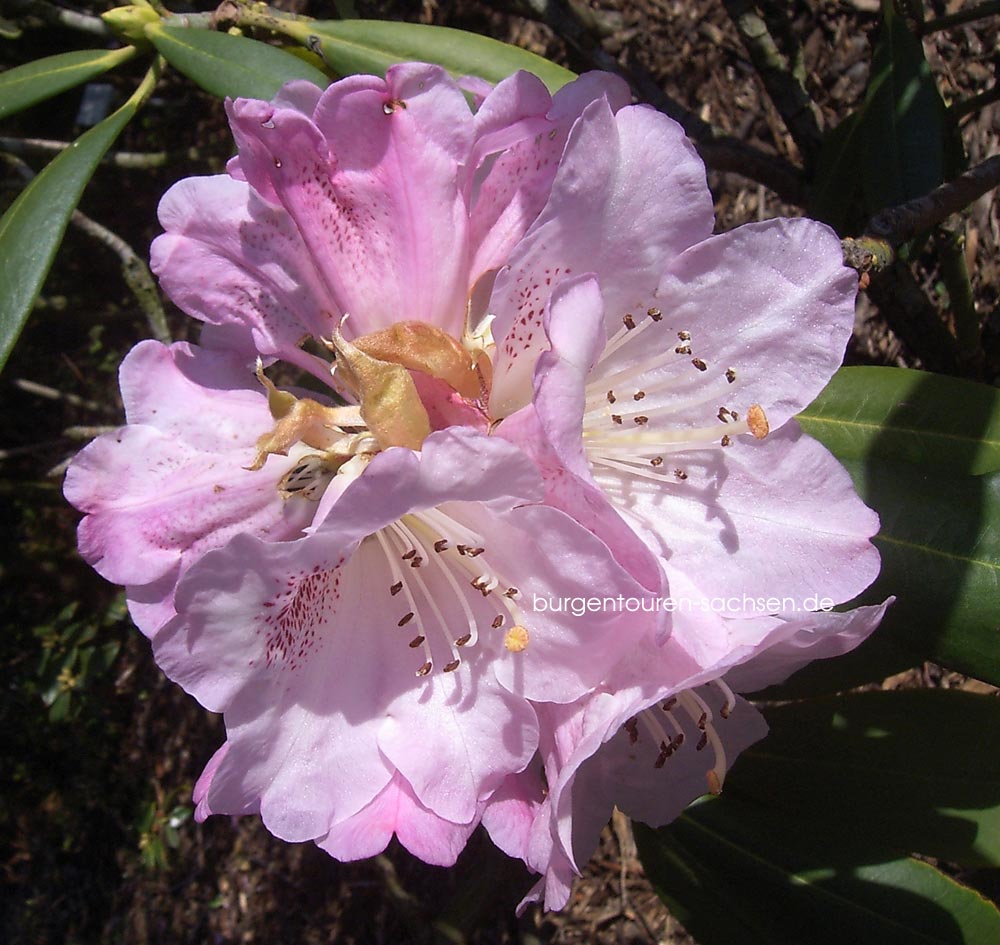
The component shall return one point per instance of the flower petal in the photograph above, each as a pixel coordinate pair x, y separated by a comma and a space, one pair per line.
747, 525
396, 811
630, 195
228, 258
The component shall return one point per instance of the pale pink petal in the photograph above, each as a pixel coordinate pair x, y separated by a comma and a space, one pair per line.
530, 128
380, 209
161, 492
799, 640
456, 761
262, 638
513, 809
583, 500
630, 195
746, 523
230, 259
395, 810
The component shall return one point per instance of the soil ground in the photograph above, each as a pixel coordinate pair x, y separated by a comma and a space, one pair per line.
95, 846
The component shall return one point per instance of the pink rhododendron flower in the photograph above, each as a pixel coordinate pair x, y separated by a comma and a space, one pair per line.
558, 384
362, 631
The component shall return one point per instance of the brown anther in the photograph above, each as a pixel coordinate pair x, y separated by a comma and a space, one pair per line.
669, 704
475, 552
726, 710
416, 562
497, 622
734, 415
684, 335
699, 364
638, 395
631, 726
682, 349
656, 461
396, 588
654, 313
405, 619
726, 441
441, 545
409, 554
611, 397
628, 321
678, 741
757, 421
703, 720
702, 742
425, 669
661, 758
730, 375
641, 420
723, 415
680, 474
452, 666
462, 641
462, 549
616, 418
511, 592
417, 641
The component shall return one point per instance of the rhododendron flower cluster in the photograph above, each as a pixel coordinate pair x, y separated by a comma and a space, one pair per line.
456, 362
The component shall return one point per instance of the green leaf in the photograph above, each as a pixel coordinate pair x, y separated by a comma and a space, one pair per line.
230, 66
905, 120
884, 773
835, 192
36, 81
940, 545
897, 414
351, 46
761, 878
33, 226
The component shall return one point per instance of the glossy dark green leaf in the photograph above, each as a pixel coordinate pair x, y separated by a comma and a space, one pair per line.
887, 773
352, 46
905, 121
733, 873
232, 66
36, 81
838, 183
940, 545
33, 226
897, 414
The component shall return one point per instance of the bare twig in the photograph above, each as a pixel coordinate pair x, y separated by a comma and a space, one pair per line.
135, 272
974, 103
890, 228
797, 109
50, 393
719, 151
131, 160
58, 16
990, 8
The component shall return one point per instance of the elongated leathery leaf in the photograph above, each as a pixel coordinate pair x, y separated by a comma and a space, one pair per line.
36, 81
351, 46
33, 226
232, 66
905, 121
903, 415
887, 773
753, 875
